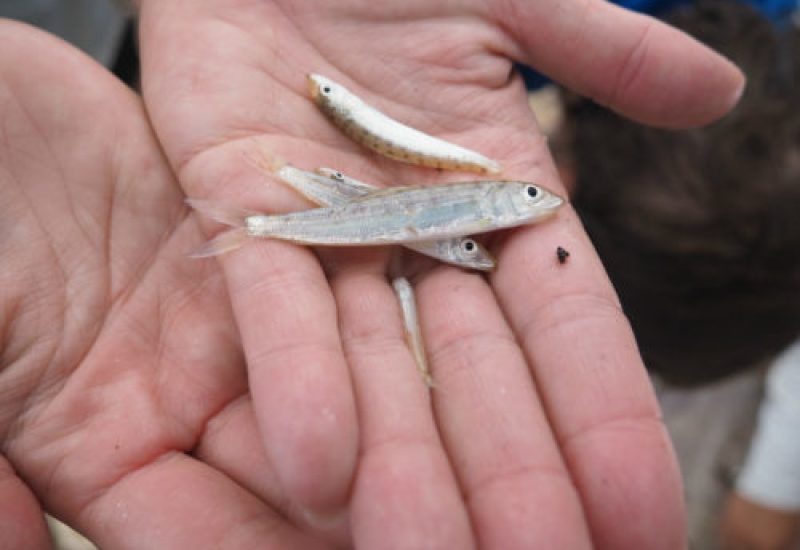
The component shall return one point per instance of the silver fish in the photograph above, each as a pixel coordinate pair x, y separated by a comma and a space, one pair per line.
324, 190
343, 181
408, 309
397, 215
333, 188
371, 128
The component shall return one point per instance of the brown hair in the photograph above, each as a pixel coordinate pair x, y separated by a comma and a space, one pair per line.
699, 230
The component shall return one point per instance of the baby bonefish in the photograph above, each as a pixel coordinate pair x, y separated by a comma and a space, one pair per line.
371, 128
408, 309
397, 215
332, 188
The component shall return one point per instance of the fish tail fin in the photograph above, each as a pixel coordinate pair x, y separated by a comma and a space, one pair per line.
493, 167
222, 213
227, 240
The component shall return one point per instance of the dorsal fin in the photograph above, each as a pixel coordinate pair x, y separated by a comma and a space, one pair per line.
386, 192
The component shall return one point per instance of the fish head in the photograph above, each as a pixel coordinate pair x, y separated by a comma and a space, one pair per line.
469, 253
532, 201
323, 90
331, 173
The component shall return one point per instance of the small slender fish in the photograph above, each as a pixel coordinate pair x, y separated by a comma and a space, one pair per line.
374, 130
408, 308
464, 252
339, 180
397, 215
332, 188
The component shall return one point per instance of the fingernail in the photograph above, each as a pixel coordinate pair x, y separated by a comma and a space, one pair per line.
739, 92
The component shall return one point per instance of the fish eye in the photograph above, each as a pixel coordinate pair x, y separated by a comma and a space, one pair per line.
469, 246
326, 90
531, 191
338, 176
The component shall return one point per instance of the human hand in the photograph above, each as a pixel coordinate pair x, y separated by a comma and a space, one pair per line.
120, 363
543, 429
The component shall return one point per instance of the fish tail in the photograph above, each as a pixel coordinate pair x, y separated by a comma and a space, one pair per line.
222, 213
493, 167
227, 240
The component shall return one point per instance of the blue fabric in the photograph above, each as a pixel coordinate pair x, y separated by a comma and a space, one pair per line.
777, 10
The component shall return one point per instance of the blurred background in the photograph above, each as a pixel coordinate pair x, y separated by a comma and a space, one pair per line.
102, 28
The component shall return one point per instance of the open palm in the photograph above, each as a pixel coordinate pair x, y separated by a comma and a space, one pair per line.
542, 429
119, 354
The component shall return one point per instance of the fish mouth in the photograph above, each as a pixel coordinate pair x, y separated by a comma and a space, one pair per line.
547, 207
552, 202
486, 265
312, 85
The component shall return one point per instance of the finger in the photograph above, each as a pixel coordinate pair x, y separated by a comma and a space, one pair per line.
403, 466
21, 518
297, 372
593, 386
283, 307
632, 63
518, 488
177, 502
227, 445
287, 321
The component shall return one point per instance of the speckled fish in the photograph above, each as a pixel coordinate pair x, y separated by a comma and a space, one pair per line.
371, 128
408, 309
331, 188
397, 215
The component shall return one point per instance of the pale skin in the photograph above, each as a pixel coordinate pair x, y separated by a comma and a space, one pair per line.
268, 400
